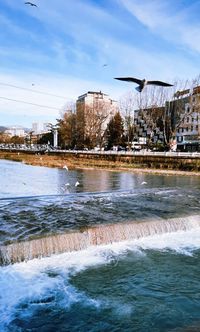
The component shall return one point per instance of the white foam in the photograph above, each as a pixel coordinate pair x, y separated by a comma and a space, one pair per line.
36, 279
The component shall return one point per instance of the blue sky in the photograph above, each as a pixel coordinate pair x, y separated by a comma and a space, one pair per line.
61, 47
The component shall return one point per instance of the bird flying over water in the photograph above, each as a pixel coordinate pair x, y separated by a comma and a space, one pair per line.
142, 83
30, 3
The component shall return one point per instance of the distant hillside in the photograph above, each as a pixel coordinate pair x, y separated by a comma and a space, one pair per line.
2, 129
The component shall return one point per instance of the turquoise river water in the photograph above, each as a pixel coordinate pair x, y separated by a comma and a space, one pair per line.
150, 283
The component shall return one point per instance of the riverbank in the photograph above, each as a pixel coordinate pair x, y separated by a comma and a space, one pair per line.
73, 162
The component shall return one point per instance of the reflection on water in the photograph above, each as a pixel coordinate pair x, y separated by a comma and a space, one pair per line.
18, 179
148, 285
102, 197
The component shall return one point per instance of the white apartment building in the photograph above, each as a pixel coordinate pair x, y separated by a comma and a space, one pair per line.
101, 104
188, 132
15, 131
40, 128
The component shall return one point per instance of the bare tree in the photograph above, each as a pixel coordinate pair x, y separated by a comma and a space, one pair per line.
151, 110
169, 109
127, 105
184, 104
96, 116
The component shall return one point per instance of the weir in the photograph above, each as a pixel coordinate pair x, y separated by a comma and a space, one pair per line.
93, 236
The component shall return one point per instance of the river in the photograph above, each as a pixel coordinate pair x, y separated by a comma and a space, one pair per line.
147, 283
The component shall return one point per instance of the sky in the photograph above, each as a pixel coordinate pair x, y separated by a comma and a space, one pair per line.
59, 50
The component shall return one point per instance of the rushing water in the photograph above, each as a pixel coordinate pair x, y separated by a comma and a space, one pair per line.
146, 284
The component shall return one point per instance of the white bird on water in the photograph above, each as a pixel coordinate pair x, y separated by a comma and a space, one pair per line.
144, 182
77, 184
65, 167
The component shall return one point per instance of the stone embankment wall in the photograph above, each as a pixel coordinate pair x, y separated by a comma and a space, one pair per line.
167, 161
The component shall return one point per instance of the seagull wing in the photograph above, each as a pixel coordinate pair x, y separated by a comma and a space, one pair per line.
129, 79
30, 3
159, 83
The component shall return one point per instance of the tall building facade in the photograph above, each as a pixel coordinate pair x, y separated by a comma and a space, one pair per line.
188, 131
40, 128
148, 125
94, 111
177, 123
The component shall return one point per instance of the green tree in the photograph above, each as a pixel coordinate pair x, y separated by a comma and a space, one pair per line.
80, 126
115, 131
127, 106
46, 138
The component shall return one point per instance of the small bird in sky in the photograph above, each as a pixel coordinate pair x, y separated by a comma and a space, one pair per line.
105, 65
30, 3
142, 83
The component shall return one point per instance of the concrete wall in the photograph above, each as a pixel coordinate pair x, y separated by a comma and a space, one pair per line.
164, 161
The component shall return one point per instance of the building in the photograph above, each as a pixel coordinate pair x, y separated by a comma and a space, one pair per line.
40, 128
178, 123
148, 126
100, 103
15, 131
94, 111
188, 122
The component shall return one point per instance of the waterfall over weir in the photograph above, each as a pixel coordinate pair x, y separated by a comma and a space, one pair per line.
93, 236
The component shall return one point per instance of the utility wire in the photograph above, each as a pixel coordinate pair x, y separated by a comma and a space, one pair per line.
25, 102
35, 91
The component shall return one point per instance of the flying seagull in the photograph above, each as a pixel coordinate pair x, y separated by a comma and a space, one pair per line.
30, 3
142, 83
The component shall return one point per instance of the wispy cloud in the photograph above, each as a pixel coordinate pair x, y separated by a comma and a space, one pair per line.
169, 20
61, 46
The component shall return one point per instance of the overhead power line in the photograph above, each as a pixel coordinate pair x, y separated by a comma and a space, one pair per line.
26, 102
35, 91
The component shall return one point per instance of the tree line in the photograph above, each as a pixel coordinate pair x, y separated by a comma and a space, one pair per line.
87, 126
158, 108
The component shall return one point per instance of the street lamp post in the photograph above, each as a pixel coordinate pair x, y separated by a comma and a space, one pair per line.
55, 138
54, 130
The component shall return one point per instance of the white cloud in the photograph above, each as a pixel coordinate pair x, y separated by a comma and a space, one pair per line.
166, 20
68, 87
71, 40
